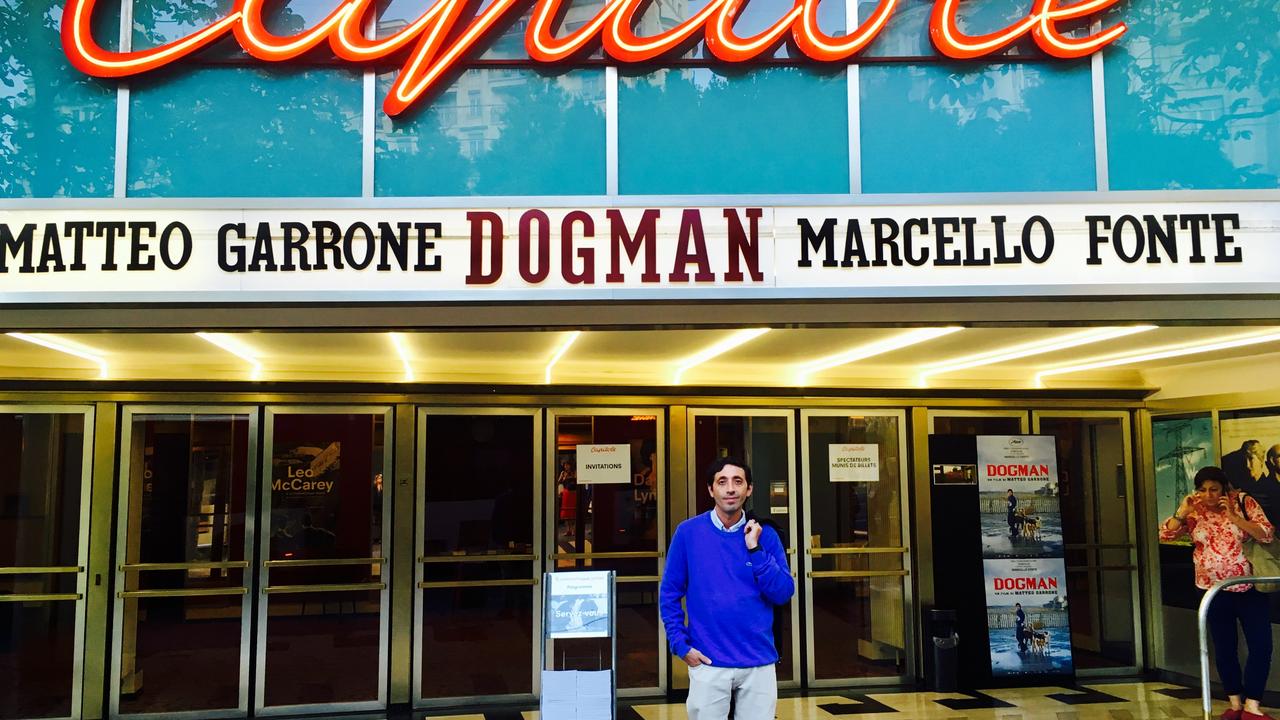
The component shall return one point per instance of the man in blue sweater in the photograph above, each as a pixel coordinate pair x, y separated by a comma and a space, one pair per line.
730, 572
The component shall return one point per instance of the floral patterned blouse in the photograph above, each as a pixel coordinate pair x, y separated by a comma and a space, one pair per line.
1219, 543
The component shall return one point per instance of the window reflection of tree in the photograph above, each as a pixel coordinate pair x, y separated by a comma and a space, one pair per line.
1198, 79
57, 126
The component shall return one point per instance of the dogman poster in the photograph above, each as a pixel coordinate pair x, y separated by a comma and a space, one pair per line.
1023, 563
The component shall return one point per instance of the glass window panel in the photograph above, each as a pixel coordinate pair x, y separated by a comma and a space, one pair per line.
40, 490
326, 503
949, 128
37, 658
57, 125
186, 504
156, 22
277, 132
479, 498
765, 445
506, 43
1093, 492
859, 623
734, 133
613, 518
477, 641
976, 425
176, 639
322, 647
1193, 96
469, 139
754, 17
906, 34
40, 508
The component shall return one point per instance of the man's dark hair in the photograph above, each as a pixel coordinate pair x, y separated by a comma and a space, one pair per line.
719, 463
1212, 473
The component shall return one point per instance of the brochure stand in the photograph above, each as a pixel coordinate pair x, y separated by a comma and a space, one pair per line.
578, 605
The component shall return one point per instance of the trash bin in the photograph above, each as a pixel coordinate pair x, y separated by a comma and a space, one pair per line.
942, 624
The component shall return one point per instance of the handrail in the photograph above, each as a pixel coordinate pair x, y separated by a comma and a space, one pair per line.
1202, 625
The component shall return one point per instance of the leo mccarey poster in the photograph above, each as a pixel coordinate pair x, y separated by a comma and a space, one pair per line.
1023, 567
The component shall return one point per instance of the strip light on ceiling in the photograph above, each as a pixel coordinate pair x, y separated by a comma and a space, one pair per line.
1038, 347
237, 348
738, 338
1162, 353
879, 347
64, 346
568, 342
402, 349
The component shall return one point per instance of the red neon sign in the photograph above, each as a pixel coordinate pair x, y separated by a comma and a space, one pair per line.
437, 43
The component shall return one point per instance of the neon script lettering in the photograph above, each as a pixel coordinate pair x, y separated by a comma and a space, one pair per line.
437, 41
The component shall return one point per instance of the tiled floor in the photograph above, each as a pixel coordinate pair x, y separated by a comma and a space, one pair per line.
1103, 701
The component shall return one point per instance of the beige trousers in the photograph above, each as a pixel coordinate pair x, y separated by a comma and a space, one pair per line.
754, 691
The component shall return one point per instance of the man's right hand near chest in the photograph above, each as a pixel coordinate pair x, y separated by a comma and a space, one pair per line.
694, 658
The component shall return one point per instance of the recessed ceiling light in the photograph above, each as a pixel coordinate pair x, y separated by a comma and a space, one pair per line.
234, 346
738, 338
862, 352
565, 344
67, 347
1039, 347
1227, 343
402, 349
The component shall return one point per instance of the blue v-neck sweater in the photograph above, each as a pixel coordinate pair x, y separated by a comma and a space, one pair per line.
729, 593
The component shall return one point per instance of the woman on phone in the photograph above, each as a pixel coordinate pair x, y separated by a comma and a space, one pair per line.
1218, 521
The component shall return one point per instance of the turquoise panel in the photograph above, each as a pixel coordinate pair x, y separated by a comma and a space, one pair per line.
1004, 128
497, 132
245, 132
1203, 109
779, 130
57, 126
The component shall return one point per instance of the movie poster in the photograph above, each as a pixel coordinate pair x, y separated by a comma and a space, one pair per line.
1250, 447
1181, 446
1024, 570
305, 499
1018, 492
1027, 625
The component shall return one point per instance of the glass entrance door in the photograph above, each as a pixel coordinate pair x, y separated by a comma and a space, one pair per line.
44, 503
856, 566
764, 440
609, 514
477, 607
1095, 488
183, 546
322, 610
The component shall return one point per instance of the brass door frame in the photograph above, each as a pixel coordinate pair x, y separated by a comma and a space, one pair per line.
264, 587
695, 485
904, 531
1135, 590
125, 462
419, 564
82, 547
660, 487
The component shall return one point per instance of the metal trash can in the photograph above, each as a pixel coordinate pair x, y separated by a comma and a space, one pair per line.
942, 624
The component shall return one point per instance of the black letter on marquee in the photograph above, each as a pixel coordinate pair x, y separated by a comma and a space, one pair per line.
10, 245
822, 240
236, 251
1046, 229
165, 256
1219, 223
1095, 238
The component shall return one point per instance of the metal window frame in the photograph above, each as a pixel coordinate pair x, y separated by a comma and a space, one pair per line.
660, 482
270, 412
129, 415
694, 485
422, 477
1023, 416
88, 413
1135, 589
909, 613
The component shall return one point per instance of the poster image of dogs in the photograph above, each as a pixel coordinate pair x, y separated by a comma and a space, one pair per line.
1027, 623
1018, 496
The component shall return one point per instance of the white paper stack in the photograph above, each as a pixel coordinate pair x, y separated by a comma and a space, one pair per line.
577, 695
